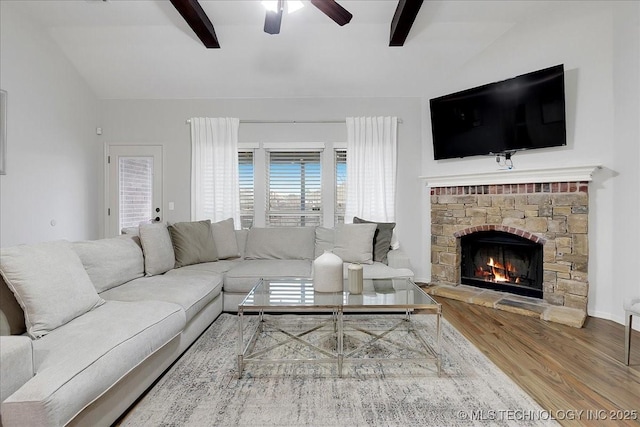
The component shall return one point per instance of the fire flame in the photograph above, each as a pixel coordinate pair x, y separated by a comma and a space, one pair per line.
498, 273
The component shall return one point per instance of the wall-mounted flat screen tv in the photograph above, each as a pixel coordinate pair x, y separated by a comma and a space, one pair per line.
521, 113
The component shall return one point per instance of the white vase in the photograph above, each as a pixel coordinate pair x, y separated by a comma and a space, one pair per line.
327, 273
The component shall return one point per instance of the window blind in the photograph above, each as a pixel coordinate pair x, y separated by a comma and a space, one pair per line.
340, 157
245, 175
294, 188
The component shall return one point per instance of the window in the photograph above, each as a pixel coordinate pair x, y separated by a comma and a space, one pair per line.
246, 178
340, 156
294, 188
282, 184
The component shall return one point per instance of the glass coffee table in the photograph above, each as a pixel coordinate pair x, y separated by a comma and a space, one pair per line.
376, 326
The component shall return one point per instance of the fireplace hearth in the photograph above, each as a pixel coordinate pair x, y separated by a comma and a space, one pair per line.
503, 262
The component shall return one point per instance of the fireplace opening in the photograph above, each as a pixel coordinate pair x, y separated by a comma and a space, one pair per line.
503, 262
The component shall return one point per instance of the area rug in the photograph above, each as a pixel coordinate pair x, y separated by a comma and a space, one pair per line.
202, 389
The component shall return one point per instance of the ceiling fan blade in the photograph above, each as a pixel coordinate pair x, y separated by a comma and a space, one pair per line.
272, 22
333, 10
198, 20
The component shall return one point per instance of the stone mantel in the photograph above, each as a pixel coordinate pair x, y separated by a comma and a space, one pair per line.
515, 176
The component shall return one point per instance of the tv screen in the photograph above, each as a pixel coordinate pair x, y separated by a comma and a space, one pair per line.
521, 113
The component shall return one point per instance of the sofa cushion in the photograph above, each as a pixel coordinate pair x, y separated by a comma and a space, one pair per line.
381, 239
245, 275
77, 363
224, 236
16, 360
280, 243
111, 262
324, 240
158, 250
192, 242
354, 242
50, 284
192, 290
218, 267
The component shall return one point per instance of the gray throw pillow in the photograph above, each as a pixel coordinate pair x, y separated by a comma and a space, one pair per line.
158, 250
324, 240
354, 242
382, 238
49, 282
224, 237
192, 243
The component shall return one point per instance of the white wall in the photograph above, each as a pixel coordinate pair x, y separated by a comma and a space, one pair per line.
600, 53
163, 122
52, 152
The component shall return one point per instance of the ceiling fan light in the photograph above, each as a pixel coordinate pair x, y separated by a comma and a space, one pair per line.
270, 5
293, 5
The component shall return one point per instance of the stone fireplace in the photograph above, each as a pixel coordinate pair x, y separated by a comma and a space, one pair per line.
551, 216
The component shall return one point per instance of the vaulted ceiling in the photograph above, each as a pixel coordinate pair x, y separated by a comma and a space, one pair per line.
145, 49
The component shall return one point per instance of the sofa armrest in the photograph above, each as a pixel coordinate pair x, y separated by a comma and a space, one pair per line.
398, 259
16, 363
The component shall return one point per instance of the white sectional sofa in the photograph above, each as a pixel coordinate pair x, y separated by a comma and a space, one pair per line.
87, 327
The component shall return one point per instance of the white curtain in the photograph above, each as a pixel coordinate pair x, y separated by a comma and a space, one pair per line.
371, 168
215, 191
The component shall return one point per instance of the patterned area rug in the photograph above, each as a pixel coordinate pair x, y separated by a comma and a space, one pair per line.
202, 389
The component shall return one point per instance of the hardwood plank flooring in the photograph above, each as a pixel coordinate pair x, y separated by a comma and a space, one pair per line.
562, 368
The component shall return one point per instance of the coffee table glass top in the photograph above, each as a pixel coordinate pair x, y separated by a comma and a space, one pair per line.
298, 294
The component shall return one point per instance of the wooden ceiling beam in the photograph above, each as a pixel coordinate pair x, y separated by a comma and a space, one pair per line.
403, 19
198, 20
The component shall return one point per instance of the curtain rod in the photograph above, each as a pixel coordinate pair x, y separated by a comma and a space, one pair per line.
188, 121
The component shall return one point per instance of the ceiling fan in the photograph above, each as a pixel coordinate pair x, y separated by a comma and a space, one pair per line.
333, 10
195, 16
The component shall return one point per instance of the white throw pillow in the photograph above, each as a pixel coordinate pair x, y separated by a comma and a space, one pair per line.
157, 247
354, 242
224, 236
50, 284
111, 262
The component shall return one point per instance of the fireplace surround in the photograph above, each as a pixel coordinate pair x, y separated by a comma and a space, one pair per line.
551, 214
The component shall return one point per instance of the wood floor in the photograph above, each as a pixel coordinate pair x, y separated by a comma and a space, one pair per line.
562, 368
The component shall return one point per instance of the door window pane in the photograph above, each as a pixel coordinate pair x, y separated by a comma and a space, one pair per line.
136, 195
